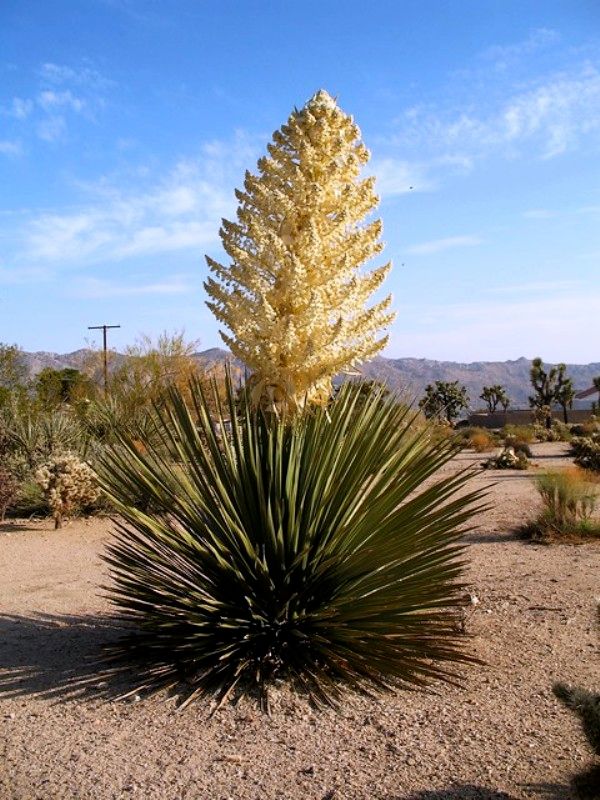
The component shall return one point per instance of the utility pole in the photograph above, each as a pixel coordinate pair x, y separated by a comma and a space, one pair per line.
104, 328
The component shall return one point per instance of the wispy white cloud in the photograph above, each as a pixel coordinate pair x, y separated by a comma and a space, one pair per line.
52, 129
181, 211
50, 100
97, 288
10, 147
439, 245
13, 276
551, 116
589, 210
81, 76
19, 108
548, 213
503, 56
537, 287
551, 326
395, 177
540, 213
63, 94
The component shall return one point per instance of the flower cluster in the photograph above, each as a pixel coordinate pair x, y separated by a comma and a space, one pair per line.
68, 483
293, 297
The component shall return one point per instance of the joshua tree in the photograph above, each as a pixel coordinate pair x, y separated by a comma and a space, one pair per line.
494, 396
292, 295
544, 385
444, 399
565, 392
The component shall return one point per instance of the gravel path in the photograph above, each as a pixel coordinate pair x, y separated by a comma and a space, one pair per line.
501, 737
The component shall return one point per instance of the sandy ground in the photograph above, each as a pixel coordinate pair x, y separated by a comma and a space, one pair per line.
502, 736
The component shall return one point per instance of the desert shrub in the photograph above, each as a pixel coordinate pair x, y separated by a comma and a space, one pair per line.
585, 428
439, 431
519, 446
68, 484
586, 705
305, 549
29, 500
507, 459
31, 437
8, 491
558, 432
569, 499
482, 441
587, 452
522, 433
479, 439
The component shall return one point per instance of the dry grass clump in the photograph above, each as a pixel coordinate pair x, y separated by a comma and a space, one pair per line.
480, 440
569, 500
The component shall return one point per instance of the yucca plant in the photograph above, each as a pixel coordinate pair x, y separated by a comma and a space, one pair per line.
304, 548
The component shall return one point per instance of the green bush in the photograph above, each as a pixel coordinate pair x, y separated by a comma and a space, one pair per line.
306, 550
29, 501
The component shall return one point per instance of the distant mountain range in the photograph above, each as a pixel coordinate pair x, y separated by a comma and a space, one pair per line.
409, 376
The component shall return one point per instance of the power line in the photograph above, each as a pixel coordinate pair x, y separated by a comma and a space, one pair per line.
104, 328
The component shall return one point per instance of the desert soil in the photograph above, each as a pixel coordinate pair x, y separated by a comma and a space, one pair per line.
501, 736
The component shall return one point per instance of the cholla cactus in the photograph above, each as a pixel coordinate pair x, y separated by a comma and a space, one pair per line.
68, 484
292, 297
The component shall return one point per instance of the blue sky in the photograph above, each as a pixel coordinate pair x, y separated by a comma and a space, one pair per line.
126, 125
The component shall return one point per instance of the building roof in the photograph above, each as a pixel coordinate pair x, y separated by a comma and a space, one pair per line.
586, 393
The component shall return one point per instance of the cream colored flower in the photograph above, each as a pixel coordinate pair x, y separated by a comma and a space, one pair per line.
293, 298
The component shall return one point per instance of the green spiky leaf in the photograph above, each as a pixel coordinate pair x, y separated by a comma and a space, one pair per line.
320, 549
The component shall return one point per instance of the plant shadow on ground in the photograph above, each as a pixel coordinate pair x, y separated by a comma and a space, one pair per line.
548, 791
8, 526
65, 657
58, 656
490, 537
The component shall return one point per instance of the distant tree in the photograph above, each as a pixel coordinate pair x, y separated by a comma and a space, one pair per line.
444, 399
150, 367
53, 387
13, 372
565, 391
494, 396
544, 385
